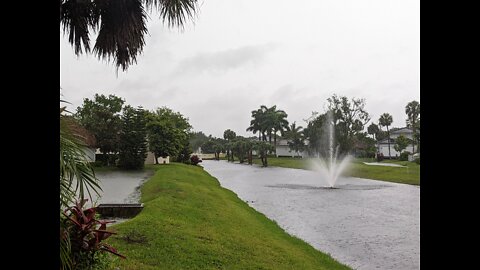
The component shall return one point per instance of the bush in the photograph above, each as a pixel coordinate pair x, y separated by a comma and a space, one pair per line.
417, 160
404, 156
195, 160
380, 157
86, 236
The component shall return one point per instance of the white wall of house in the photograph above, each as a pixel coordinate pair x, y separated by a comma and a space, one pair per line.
162, 160
284, 151
150, 159
383, 148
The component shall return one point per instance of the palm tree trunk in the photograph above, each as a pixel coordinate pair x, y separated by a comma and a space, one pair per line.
388, 133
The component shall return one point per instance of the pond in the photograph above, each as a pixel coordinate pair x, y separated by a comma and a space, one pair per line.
366, 224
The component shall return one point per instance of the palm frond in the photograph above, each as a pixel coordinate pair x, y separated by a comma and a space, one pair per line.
122, 30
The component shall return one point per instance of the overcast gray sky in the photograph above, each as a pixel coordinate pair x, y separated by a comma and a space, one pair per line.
240, 54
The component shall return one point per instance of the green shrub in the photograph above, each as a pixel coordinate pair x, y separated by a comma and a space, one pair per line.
404, 156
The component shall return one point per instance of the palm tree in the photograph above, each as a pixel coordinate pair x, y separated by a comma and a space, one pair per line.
385, 121
280, 123
255, 123
229, 135
373, 130
296, 138
120, 25
413, 113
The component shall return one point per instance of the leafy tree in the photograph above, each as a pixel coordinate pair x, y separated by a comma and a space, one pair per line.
256, 123
314, 132
133, 139
295, 138
413, 118
401, 143
349, 117
385, 121
101, 116
120, 25
167, 132
185, 153
373, 130
278, 121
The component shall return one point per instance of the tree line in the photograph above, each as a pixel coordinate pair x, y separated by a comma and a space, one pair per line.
349, 120
124, 134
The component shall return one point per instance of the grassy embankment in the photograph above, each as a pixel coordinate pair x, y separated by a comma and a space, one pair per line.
191, 222
409, 175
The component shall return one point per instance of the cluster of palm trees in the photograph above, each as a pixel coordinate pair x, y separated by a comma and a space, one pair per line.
268, 122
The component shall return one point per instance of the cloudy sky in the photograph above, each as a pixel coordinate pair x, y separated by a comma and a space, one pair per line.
240, 54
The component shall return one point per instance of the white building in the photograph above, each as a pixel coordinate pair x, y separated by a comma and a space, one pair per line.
282, 150
383, 144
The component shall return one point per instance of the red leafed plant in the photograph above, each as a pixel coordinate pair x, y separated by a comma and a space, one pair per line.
195, 160
85, 234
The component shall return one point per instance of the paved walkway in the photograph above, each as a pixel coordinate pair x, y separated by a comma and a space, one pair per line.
365, 224
384, 164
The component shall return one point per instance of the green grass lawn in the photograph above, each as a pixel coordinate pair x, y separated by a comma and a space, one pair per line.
191, 222
409, 175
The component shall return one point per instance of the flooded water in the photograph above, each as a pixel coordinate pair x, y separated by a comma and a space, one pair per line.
121, 186
365, 224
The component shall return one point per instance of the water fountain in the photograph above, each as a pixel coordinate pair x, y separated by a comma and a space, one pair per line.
330, 166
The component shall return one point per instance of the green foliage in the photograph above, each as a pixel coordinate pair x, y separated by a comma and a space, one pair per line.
401, 143
404, 156
197, 139
263, 149
132, 142
101, 116
386, 120
314, 132
185, 152
413, 120
349, 117
268, 122
119, 27
167, 132
295, 138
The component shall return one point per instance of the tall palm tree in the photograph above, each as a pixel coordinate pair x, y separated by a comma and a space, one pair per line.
280, 123
413, 113
385, 121
255, 123
120, 25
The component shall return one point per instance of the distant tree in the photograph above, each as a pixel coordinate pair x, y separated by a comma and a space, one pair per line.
263, 149
133, 139
256, 124
278, 122
101, 116
229, 136
373, 130
240, 148
197, 139
401, 143
385, 121
120, 25
167, 132
314, 132
185, 152
349, 117
413, 118
295, 138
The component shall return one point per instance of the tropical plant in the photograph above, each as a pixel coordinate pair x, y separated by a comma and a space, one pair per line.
413, 119
77, 178
86, 234
229, 136
263, 148
295, 138
385, 121
120, 25
373, 130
